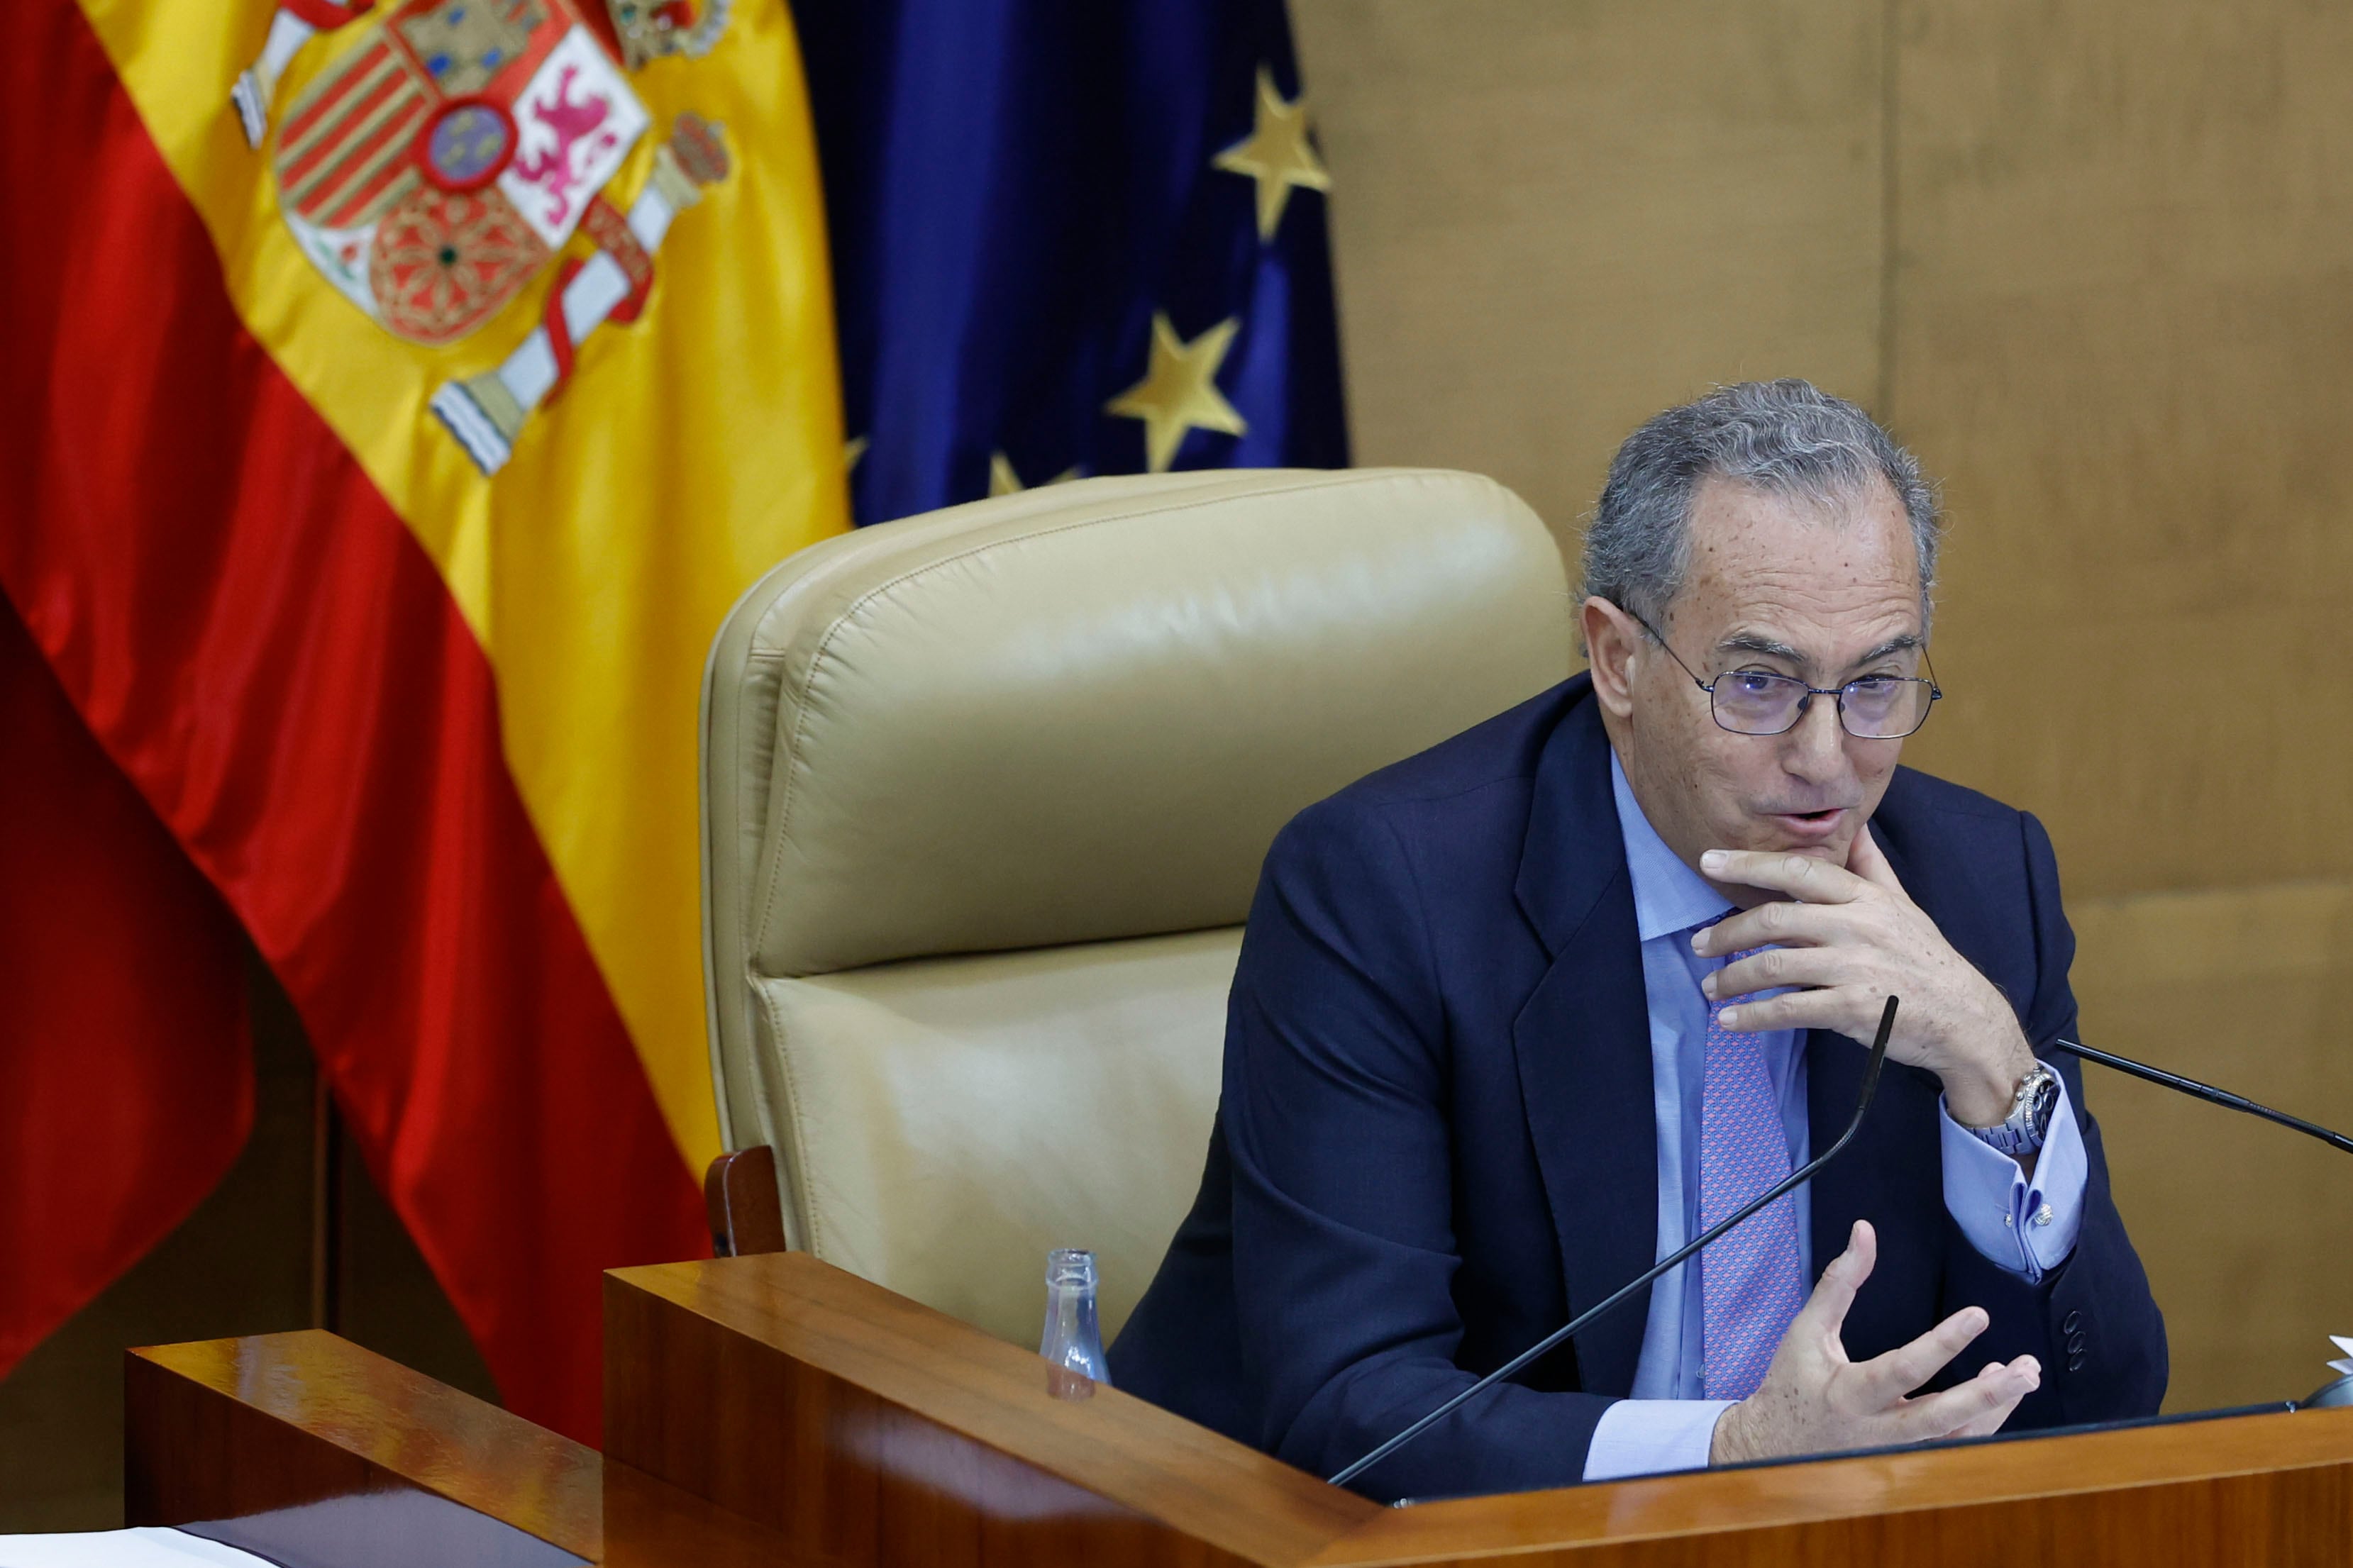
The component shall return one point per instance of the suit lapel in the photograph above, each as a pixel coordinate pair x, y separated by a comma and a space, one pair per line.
1583, 1043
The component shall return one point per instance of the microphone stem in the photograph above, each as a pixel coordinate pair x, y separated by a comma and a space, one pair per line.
2206, 1092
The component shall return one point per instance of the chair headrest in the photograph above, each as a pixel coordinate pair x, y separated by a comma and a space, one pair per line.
1082, 712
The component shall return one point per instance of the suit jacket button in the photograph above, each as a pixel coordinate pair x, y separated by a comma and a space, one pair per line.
2073, 1322
2075, 1362
2075, 1345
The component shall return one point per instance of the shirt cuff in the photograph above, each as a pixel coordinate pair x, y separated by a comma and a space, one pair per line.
1645, 1437
2025, 1228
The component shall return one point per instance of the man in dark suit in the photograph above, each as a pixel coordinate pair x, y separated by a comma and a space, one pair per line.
1517, 1016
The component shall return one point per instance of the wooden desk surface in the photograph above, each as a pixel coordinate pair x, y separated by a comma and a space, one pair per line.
318, 1454
944, 1407
2256, 1489
774, 1410
725, 1380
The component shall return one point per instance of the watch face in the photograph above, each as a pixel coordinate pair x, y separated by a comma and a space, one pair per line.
2044, 1089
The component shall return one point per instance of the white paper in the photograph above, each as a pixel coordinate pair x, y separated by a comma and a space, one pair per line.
144, 1547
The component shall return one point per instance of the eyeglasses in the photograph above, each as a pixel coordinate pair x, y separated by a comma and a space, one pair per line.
1758, 702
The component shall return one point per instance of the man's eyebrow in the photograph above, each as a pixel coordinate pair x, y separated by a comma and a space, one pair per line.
1764, 647
1903, 643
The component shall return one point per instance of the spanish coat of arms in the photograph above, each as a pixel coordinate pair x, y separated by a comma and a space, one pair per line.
450, 154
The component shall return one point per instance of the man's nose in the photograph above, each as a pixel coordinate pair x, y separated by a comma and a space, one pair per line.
1815, 749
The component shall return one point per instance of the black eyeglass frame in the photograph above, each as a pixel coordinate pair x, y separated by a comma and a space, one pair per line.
1936, 692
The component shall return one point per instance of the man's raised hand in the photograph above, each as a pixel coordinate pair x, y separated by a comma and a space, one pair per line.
1815, 1401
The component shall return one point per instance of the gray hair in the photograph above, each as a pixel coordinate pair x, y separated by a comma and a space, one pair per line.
1788, 437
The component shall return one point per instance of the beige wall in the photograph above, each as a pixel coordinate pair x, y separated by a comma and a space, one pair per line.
2094, 262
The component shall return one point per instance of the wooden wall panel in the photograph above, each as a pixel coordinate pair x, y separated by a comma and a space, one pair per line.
1554, 218
2123, 300
2241, 1223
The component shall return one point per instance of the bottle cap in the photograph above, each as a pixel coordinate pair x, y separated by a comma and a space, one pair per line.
1070, 1266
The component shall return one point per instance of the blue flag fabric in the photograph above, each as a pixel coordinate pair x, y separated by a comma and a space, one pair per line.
1070, 238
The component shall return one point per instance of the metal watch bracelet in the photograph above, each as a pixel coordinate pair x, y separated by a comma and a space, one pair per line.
2028, 1122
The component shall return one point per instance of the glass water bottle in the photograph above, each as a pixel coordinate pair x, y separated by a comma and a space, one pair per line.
1072, 1340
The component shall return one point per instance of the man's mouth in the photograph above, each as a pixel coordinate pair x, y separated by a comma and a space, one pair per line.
1802, 827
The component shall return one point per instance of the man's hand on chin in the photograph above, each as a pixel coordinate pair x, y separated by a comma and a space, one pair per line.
1848, 937
1815, 1401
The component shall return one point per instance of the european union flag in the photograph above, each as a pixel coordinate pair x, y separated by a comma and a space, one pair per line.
1071, 237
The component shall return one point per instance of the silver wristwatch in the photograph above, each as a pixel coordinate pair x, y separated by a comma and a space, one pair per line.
2029, 1114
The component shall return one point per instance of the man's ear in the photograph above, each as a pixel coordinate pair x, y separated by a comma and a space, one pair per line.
1612, 638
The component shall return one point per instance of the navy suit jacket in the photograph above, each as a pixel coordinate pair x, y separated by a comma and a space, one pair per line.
1435, 1142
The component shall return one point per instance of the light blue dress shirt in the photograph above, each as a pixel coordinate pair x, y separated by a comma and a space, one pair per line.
2025, 1228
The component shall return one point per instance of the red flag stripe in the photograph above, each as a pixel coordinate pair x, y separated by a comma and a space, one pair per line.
121, 1105
258, 641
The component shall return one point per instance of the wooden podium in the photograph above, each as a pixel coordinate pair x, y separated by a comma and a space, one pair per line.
772, 1409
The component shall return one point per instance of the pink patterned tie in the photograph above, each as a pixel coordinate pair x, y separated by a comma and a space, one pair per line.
1749, 1282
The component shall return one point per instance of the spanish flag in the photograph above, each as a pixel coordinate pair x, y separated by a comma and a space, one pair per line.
395, 397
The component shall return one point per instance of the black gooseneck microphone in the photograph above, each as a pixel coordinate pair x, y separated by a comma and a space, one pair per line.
2205, 1091
1788, 1185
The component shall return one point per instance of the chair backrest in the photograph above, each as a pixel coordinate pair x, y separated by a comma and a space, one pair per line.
985, 793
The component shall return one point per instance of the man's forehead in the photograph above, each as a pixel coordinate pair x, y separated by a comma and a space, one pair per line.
1728, 509
1809, 580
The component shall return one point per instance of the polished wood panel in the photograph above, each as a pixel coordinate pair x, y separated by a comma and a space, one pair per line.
224, 1429
2271, 1490
872, 1428
825, 1411
650, 1524
318, 1454
855, 1419
747, 1212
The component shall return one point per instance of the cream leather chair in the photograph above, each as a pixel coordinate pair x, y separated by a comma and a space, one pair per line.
985, 794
